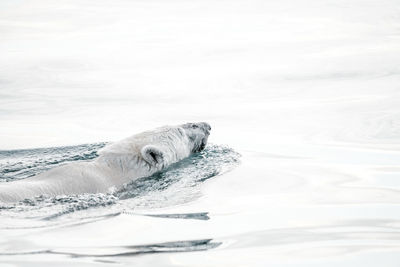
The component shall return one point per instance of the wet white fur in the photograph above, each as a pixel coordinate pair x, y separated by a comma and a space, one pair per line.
118, 163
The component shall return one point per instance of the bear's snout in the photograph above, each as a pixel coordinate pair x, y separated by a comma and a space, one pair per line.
206, 127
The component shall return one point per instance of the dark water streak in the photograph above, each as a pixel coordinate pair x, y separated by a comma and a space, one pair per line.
135, 250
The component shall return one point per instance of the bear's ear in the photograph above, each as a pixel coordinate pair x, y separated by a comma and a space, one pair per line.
153, 155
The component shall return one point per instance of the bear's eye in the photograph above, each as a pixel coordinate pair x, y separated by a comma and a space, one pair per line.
194, 126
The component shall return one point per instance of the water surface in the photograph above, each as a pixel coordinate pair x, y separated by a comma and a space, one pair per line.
307, 92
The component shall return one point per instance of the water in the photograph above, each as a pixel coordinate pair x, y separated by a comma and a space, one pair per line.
307, 92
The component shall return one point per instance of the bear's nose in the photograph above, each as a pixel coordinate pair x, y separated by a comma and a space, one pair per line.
206, 126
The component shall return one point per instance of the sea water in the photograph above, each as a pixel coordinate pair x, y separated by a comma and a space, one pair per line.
303, 98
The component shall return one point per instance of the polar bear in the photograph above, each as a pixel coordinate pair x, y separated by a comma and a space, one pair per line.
135, 157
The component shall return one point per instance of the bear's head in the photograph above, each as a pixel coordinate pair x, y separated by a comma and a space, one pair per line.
168, 150
198, 134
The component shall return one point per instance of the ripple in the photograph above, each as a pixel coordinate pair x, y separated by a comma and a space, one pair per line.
134, 250
160, 189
